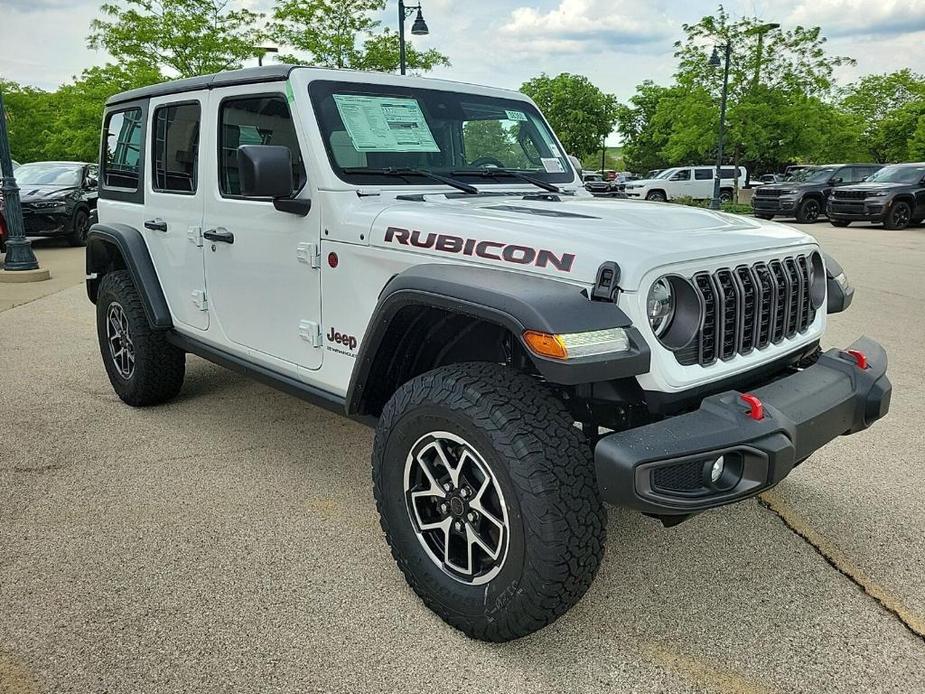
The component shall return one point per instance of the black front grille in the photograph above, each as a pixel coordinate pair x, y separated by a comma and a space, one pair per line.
749, 307
850, 194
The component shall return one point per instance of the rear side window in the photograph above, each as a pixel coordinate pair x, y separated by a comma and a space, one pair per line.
263, 120
175, 148
728, 173
122, 158
703, 174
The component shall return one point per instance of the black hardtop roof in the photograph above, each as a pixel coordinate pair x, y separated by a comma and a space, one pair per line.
251, 75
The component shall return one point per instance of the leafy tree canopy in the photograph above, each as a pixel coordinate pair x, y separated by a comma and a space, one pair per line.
580, 113
345, 34
190, 37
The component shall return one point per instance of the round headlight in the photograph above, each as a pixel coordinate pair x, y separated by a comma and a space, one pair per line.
660, 306
674, 310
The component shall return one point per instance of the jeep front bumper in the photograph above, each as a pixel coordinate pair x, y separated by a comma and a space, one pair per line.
665, 468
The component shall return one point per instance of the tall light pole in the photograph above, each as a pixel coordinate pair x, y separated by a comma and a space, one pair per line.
418, 28
263, 51
760, 31
714, 61
19, 255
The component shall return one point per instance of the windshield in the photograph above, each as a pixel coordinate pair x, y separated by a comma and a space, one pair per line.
898, 174
666, 173
49, 174
371, 130
812, 175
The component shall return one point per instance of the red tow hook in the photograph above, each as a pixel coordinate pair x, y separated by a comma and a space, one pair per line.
860, 359
755, 408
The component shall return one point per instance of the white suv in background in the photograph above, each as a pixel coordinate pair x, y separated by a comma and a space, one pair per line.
686, 181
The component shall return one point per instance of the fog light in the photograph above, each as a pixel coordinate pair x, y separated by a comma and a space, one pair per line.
716, 470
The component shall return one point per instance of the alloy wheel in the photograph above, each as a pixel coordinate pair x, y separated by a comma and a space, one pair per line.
900, 216
121, 348
456, 507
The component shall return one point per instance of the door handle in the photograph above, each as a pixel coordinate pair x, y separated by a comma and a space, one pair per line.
156, 224
218, 234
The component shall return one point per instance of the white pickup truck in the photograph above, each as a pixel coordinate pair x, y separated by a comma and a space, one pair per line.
421, 255
687, 182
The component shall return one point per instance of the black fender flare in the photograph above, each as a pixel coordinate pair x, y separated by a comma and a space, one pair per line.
515, 301
104, 242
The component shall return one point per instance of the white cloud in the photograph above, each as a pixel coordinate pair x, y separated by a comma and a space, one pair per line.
859, 17
582, 25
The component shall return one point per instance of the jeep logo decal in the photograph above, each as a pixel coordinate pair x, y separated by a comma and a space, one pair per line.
492, 250
348, 341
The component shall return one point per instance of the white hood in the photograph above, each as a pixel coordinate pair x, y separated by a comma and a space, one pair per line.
639, 236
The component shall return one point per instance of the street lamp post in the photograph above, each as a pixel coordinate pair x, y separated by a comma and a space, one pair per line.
263, 51
418, 28
714, 61
19, 255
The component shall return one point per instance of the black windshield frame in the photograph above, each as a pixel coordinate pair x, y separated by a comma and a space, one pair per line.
321, 94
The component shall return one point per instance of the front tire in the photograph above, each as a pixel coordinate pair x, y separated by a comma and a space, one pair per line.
484, 440
80, 227
808, 211
657, 196
143, 367
900, 216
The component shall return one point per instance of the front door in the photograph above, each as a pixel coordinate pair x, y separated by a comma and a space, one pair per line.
261, 266
174, 204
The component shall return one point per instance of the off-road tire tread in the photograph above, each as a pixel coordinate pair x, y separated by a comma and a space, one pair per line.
550, 462
159, 366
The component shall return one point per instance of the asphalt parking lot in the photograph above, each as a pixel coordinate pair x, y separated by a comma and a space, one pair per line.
228, 541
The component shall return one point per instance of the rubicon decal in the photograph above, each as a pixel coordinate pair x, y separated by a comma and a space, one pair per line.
492, 250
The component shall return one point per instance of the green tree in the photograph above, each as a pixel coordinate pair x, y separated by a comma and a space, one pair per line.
345, 34
191, 37
580, 113
29, 112
886, 108
79, 105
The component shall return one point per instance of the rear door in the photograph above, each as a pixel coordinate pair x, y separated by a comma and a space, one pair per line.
174, 204
264, 280
703, 182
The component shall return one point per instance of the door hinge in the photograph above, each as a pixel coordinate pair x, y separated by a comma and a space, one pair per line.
199, 299
310, 331
194, 234
309, 253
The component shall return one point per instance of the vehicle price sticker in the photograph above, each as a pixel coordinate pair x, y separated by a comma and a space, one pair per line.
516, 115
552, 165
385, 124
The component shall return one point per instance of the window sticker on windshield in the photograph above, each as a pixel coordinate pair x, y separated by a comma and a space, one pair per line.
385, 124
552, 165
516, 115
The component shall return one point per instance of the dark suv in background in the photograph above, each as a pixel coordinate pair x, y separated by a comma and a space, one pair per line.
805, 193
895, 196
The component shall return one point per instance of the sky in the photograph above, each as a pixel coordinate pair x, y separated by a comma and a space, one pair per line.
503, 43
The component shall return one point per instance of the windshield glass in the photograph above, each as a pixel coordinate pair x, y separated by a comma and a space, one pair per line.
49, 174
812, 175
667, 173
370, 130
898, 174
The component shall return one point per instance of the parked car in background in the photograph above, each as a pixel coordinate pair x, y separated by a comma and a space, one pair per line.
768, 178
794, 169
58, 199
595, 183
894, 196
686, 181
804, 195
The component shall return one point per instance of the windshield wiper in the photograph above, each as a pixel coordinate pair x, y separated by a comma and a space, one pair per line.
407, 171
493, 172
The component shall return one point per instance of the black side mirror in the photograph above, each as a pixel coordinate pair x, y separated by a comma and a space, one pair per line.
835, 181
265, 171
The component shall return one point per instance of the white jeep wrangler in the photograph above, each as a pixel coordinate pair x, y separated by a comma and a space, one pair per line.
421, 255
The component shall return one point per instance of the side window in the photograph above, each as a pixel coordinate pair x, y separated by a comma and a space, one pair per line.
703, 174
175, 148
122, 159
682, 175
727, 174
843, 175
263, 120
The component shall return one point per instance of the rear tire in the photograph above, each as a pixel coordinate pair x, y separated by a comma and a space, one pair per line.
143, 367
81, 225
900, 216
547, 536
808, 211
725, 195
